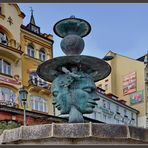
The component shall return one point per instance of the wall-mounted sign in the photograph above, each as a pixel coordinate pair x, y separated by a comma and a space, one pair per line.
136, 98
14, 80
129, 83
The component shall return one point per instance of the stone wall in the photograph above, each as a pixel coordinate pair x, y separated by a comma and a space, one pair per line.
80, 133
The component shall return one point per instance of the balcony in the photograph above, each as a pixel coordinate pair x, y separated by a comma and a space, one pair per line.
10, 52
38, 82
8, 103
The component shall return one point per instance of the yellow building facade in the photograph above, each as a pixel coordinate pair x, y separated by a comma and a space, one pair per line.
22, 49
127, 82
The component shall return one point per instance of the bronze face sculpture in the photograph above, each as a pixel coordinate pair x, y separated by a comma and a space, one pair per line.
74, 93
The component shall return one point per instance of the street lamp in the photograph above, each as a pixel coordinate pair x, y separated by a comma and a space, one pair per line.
23, 97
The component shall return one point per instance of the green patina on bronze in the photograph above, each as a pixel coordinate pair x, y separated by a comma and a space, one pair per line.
73, 76
72, 25
74, 93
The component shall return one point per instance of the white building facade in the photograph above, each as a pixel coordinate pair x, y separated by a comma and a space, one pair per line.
110, 110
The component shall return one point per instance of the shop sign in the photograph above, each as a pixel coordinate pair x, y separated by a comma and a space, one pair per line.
129, 83
136, 98
14, 80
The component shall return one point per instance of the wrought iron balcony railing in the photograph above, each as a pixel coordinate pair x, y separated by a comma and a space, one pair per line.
38, 82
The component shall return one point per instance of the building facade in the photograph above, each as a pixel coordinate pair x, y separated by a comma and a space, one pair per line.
111, 110
22, 49
127, 81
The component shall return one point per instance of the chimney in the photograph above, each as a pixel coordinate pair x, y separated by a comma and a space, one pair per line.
122, 101
110, 95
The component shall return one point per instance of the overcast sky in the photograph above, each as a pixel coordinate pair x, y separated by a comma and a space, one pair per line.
122, 28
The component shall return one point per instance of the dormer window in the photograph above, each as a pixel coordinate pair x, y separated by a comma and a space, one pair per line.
3, 38
30, 51
35, 29
42, 55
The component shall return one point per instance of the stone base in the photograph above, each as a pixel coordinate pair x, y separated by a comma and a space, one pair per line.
78, 133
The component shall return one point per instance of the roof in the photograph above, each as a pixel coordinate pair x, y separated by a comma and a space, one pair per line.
32, 20
141, 58
40, 35
21, 14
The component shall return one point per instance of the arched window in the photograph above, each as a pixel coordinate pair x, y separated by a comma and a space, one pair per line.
5, 67
30, 51
3, 38
38, 103
42, 56
7, 96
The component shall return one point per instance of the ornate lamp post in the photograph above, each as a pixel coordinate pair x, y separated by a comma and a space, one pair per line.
23, 97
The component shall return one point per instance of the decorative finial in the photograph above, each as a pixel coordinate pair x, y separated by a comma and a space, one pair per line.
31, 10
32, 20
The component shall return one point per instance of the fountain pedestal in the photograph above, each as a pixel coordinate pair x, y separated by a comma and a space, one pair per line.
78, 133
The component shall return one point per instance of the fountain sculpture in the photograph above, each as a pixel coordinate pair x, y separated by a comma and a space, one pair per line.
73, 76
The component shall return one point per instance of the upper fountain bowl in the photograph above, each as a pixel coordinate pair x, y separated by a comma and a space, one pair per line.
72, 25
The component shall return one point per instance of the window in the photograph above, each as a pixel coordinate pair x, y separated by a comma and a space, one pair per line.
132, 121
125, 113
3, 38
100, 85
35, 29
30, 51
106, 80
104, 117
39, 103
7, 96
1, 9
117, 109
33, 78
108, 105
106, 86
104, 103
42, 55
117, 121
5, 67
132, 115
